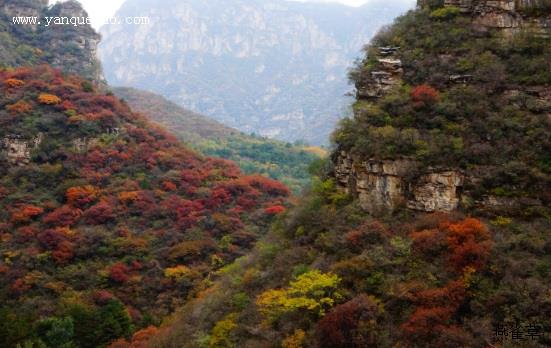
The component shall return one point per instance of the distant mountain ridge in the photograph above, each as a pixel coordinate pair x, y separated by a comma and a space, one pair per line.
276, 68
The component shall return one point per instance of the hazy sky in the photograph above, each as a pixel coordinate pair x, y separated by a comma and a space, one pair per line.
100, 10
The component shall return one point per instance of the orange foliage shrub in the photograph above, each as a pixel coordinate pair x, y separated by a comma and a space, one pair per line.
128, 197
82, 195
275, 210
470, 244
13, 83
48, 99
21, 107
25, 213
169, 186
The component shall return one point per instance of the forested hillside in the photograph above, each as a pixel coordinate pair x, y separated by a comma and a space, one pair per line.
108, 223
431, 226
255, 155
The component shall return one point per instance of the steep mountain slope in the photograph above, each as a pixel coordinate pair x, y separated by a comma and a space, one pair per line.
189, 125
275, 68
70, 48
432, 225
278, 160
107, 222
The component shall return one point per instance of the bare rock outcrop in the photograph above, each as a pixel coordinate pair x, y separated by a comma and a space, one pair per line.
385, 78
17, 150
385, 185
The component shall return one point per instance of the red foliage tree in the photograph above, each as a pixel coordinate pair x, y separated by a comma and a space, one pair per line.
20, 286
429, 242
119, 273
100, 213
63, 252
350, 325
26, 234
63, 216
424, 95
435, 307
367, 234
51, 238
470, 243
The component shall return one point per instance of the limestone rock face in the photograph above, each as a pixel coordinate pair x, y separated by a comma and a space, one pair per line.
436, 192
384, 185
17, 150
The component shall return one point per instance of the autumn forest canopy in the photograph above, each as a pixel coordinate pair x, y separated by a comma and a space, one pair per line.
428, 225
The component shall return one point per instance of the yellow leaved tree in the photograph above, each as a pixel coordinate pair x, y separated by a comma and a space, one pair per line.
314, 292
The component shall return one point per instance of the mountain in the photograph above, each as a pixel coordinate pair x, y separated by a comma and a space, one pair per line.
255, 155
108, 223
431, 224
70, 48
276, 68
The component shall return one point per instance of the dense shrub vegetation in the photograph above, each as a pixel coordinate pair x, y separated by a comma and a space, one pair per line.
113, 223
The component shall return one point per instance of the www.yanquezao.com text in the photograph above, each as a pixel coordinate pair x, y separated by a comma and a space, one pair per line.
76, 21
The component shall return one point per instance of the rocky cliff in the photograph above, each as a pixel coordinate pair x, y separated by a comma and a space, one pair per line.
276, 68
383, 185
67, 47
507, 15
382, 182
